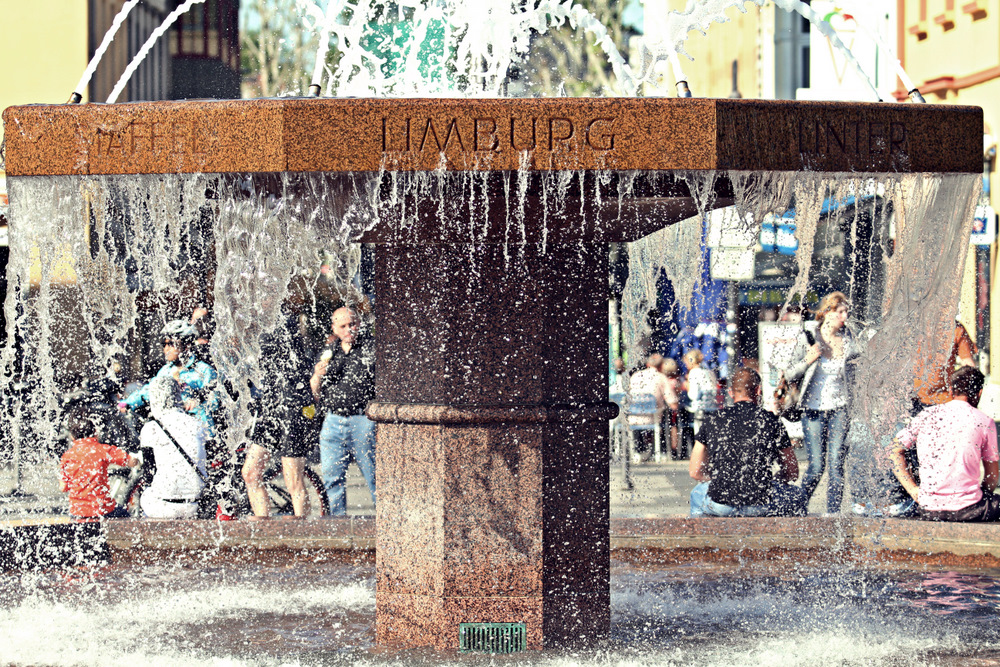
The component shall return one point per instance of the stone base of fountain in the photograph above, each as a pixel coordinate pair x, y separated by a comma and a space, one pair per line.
55, 543
365, 135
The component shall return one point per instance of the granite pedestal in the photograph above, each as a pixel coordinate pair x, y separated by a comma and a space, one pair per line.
492, 442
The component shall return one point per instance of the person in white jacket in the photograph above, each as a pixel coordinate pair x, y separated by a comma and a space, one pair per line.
173, 493
824, 368
702, 388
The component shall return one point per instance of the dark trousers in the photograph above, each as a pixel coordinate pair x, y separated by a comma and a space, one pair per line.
987, 509
685, 433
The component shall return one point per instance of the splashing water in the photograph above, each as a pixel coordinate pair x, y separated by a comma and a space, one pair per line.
673, 30
323, 24
824, 27
467, 49
451, 47
104, 261
880, 42
169, 614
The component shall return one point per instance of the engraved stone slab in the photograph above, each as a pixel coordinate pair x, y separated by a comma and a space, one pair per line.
344, 135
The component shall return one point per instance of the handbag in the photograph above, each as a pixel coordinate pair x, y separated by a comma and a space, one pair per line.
786, 399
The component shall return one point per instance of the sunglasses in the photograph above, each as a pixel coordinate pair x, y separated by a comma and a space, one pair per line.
170, 343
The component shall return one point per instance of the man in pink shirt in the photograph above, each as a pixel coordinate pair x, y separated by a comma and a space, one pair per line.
955, 442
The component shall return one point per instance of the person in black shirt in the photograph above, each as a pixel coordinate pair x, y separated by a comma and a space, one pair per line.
343, 383
278, 402
734, 456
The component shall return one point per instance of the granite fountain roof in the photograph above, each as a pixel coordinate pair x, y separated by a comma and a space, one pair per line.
365, 135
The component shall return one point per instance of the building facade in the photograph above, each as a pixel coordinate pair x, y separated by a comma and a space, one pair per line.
951, 50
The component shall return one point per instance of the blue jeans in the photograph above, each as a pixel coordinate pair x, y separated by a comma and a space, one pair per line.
340, 439
825, 432
786, 500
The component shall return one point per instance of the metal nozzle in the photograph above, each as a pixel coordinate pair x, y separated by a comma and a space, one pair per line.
75, 98
736, 94
916, 97
682, 89
314, 90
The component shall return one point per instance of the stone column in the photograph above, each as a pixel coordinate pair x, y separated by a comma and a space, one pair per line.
492, 441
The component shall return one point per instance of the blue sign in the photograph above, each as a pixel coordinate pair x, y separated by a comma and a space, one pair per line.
778, 235
984, 226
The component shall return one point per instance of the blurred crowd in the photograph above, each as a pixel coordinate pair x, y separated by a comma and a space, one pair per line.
940, 465
195, 457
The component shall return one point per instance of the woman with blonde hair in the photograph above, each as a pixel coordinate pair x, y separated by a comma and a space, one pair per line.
702, 389
824, 366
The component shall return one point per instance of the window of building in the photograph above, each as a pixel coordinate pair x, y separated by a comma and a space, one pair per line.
209, 31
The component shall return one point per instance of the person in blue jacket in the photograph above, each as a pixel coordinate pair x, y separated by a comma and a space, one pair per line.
198, 380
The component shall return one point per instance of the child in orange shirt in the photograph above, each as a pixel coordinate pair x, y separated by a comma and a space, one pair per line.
83, 472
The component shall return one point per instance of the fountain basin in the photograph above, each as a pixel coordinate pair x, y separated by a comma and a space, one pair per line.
811, 591
480, 517
48, 543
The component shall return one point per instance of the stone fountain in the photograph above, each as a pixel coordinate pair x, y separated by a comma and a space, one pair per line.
491, 391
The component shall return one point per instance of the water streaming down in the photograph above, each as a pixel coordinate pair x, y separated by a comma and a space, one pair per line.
265, 232
129, 240
269, 239
677, 251
904, 297
105, 260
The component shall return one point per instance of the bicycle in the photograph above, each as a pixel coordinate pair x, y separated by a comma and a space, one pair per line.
128, 484
224, 495
281, 500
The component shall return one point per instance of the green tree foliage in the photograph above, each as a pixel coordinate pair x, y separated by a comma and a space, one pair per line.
277, 51
567, 61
